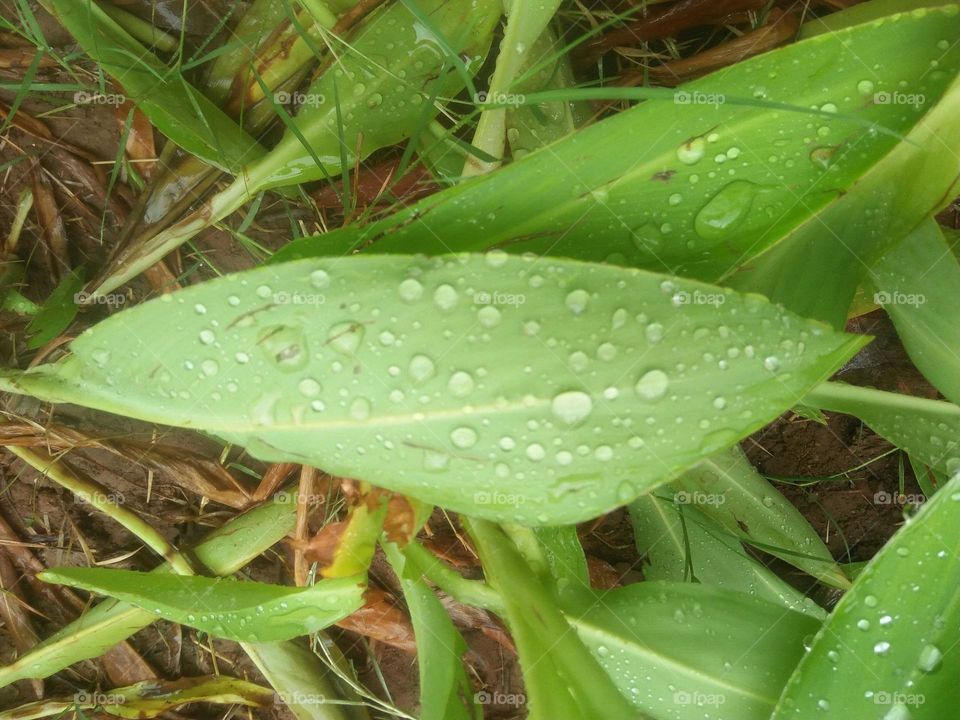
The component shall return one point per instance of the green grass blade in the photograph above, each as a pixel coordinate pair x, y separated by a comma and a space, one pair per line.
366, 389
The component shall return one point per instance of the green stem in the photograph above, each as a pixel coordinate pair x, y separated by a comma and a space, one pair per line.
469, 592
851, 400
537, 624
94, 495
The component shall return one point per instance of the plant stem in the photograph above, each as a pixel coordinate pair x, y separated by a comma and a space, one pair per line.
849, 399
469, 592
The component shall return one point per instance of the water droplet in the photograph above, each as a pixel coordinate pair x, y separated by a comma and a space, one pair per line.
654, 332
571, 407
410, 290
653, 385
309, 387
284, 346
930, 658
421, 368
345, 337
209, 367
200, 309
461, 384
881, 648
445, 297
725, 210
577, 301
488, 316
771, 363
865, 87
374, 100
463, 437
692, 151
535, 452
207, 337
360, 409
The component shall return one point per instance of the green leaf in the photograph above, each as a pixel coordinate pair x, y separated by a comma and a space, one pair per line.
227, 608
928, 430
889, 649
728, 489
561, 679
682, 651
652, 186
474, 383
918, 284
57, 312
223, 551
173, 105
565, 558
445, 690
680, 543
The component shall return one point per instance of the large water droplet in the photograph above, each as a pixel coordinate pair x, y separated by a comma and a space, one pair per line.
930, 658
463, 437
345, 337
726, 210
410, 290
445, 297
652, 385
577, 301
421, 368
571, 407
284, 346
692, 151
461, 384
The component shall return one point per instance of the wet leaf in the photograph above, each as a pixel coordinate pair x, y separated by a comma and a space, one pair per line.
918, 284
367, 389
680, 543
57, 312
889, 649
729, 490
223, 551
232, 609
700, 188
685, 651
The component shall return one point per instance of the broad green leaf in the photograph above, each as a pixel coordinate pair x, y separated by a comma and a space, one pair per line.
150, 698
561, 679
864, 12
224, 551
173, 105
680, 543
728, 489
701, 189
227, 608
529, 390
682, 651
445, 690
890, 647
918, 284
928, 430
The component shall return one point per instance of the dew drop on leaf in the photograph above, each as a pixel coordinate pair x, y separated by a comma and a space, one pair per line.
652, 385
